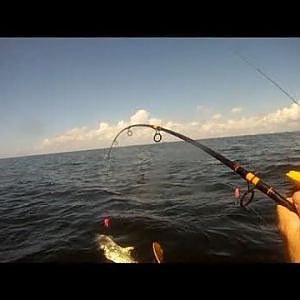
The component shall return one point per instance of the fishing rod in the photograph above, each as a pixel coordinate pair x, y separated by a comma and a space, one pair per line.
267, 77
250, 177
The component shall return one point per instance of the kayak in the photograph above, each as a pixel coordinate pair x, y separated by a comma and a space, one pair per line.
294, 176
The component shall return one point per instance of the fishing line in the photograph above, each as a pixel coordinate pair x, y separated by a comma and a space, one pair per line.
263, 221
250, 177
267, 77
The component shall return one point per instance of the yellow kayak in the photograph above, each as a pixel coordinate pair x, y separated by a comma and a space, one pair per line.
294, 176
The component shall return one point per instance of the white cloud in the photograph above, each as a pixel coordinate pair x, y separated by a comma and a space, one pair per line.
141, 116
200, 108
99, 137
236, 110
216, 116
155, 121
285, 119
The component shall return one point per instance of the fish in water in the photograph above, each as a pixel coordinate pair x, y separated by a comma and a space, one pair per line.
113, 251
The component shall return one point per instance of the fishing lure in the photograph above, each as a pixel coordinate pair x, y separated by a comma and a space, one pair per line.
106, 222
249, 176
237, 193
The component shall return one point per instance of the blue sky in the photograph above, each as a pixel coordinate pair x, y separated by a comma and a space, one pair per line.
49, 86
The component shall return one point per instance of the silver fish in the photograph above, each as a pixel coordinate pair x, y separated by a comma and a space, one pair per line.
113, 251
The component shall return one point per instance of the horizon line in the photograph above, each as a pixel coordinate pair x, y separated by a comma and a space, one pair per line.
120, 146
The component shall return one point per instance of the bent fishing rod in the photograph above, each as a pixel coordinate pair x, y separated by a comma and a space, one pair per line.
250, 177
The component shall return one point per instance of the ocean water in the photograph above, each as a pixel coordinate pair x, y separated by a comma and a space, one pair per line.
53, 206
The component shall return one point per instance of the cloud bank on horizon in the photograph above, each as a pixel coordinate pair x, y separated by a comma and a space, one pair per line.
83, 138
